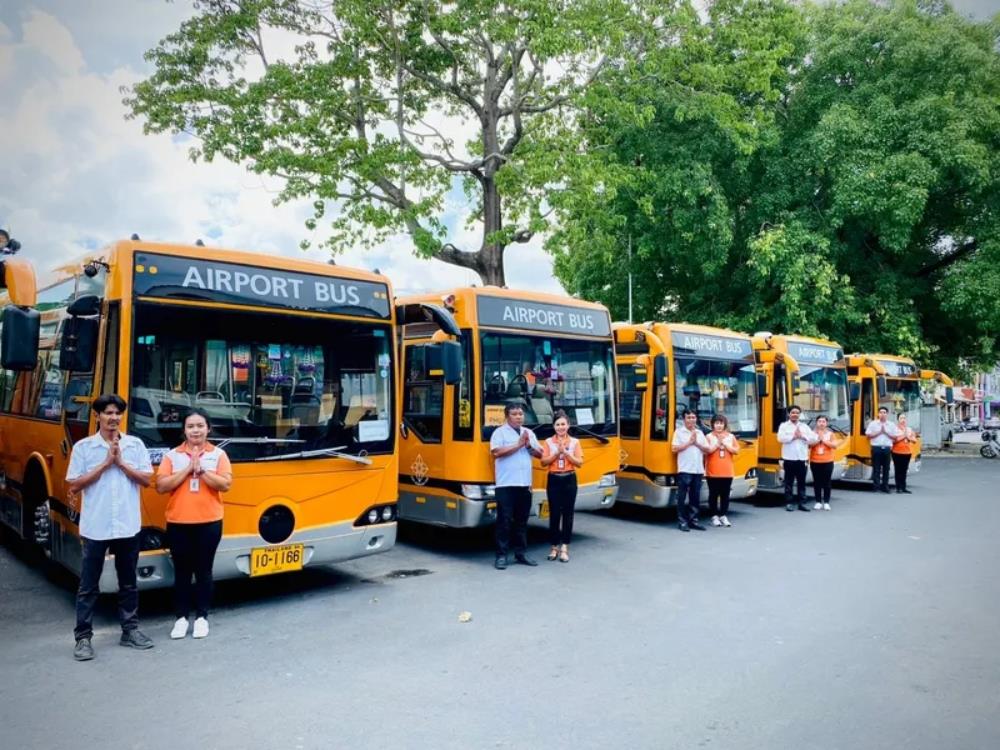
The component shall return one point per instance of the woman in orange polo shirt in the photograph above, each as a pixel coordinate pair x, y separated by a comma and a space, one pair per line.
561, 455
902, 450
821, 462
719, 469
194, 474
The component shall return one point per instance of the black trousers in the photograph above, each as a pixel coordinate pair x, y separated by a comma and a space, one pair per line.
688, 497
561, 490
880, 467
901, 464
126, 552
718, 494
192, 549
822, 479
513, 507
795, 473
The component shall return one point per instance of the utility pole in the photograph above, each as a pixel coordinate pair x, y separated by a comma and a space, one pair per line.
630, 277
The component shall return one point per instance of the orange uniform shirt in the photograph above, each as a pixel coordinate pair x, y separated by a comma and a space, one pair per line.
821, 453
561, 465
719, 463
204, 504
905, 446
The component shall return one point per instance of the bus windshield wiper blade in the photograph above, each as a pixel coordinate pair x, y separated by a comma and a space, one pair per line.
332, 452
256, 441
585, 431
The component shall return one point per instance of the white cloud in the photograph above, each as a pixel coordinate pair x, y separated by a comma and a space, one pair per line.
44, 33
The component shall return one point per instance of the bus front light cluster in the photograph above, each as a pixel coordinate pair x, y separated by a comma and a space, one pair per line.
377, 514
608, 480
664, 480
151, 538
478, 491
752, 474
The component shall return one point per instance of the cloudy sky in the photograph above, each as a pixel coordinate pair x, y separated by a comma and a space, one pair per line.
74, 174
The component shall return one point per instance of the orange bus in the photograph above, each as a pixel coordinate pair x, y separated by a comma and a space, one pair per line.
543, 352
293, 360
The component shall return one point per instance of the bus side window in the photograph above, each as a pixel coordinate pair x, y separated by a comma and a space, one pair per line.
780, 396
629, 403
423, 396
464, 406
867, 403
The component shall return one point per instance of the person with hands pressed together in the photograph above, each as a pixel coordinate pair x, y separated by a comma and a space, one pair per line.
562, 455
719, 469
882, 435
795, 437
821, 462
690, 445
108, 469
512, 446
194, 474
902, 450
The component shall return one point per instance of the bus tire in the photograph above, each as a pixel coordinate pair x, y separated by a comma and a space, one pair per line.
36, 526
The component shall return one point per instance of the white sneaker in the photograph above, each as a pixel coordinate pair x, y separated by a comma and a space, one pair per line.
180, 628
818, 506
200, 628
725, 521
826, 506
716, 521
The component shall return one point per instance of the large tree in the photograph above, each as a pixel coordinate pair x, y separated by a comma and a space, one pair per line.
376, 109
865, 209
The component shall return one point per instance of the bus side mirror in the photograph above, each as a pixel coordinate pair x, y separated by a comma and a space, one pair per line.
79, 344
882, 389
444, 360
949, 395
19, 338
854, 392
660, 370
762, 385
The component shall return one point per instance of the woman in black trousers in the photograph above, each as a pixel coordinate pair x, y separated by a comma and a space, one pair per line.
561, 455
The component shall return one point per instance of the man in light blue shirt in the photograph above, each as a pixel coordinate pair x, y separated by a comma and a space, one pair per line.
512, 446
109, 469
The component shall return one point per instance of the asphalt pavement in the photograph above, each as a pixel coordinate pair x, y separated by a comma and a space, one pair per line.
874, 625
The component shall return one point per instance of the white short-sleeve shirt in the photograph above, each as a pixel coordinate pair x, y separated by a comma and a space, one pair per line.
110, 507
513, 470
877, 438
691, 460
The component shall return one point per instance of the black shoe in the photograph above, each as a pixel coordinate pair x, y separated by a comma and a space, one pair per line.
885, 489
804, 507
683, 527
135, 638
790, 506
83, 651
899, 491
696, 525
906, 491
525, 560
500, 563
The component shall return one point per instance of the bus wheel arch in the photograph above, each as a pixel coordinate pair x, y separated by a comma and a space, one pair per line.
36, 523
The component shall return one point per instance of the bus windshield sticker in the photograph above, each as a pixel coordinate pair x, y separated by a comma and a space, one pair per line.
706, 345
173, 277
498, 312
584, 416
898, 369
494, 415
815, 354
373, 429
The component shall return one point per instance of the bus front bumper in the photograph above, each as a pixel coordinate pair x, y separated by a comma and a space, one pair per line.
772, 476
321, 546
451, 511
591, 496
653, 495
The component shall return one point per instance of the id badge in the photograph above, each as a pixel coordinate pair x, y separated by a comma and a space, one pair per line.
722, 453
821, 450
194, 484
562, 462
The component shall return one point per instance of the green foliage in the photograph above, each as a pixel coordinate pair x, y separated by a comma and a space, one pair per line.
833, 170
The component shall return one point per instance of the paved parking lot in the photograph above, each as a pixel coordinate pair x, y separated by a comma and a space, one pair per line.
871, 626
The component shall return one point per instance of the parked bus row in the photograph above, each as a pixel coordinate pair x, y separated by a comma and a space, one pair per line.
344, 408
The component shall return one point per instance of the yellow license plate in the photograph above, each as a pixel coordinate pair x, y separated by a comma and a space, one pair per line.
267, 560
543, 509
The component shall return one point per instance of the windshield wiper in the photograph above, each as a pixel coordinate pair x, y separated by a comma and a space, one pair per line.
361, 458
585, 431
256, 441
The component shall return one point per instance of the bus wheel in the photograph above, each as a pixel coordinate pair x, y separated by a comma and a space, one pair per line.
36, 524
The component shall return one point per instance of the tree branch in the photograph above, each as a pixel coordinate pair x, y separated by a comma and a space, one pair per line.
963, 251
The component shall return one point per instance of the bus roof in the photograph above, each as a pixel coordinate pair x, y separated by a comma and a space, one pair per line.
700, 329
807, 350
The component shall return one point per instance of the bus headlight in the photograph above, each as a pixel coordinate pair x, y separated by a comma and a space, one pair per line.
752, 474
373, 515
387, 513
151, 538
608, 480
478, 491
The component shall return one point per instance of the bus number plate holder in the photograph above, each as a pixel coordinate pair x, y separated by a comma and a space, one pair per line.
267, 560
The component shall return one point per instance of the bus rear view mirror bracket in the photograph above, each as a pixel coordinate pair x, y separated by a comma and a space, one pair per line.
20, 335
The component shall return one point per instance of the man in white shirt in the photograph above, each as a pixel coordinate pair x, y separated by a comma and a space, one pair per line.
109, 468
795, 437
881, 434
512, 446
690, 445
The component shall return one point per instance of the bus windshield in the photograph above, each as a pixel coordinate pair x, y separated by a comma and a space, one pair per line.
544, 375
271, 384
823, 392
713, 386
903, 396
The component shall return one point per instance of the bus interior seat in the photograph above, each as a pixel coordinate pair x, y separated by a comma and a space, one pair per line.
542, 407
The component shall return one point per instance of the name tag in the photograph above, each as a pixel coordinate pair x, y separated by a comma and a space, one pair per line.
195, 484
722, 454
821, 450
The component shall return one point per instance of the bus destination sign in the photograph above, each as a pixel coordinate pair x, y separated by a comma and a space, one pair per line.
500, 312
705, 345
173, 277
815, 354
894, 369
